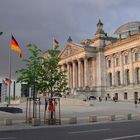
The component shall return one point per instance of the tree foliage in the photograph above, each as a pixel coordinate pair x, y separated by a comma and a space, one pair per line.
43, 74
33, 65
53, 78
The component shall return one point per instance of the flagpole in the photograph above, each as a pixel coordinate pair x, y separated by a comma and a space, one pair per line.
9, 76
53, 43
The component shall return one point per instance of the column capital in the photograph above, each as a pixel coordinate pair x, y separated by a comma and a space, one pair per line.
68, 63
74, 61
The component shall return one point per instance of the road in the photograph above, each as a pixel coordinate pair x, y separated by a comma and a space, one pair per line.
129, 130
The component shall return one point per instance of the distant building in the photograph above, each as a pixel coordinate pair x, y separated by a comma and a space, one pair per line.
4, 90
105, 65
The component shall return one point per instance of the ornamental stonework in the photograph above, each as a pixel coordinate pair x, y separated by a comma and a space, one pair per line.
69, 51
136, 50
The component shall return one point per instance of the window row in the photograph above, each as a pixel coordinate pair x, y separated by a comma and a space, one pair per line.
125, 95
126, 77
126, 60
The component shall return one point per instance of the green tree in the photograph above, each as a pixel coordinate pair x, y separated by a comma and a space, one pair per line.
33, 65
53, 78
43, 74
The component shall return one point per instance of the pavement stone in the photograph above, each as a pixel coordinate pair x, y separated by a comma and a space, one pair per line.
72, 107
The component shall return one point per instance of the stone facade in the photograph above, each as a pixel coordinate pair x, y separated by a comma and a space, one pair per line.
103, 66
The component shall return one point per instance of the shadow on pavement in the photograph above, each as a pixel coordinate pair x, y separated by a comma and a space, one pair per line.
11, 109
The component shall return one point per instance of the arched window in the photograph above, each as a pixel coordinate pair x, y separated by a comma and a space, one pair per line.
137, 75
127, 78
110, 79
118, 80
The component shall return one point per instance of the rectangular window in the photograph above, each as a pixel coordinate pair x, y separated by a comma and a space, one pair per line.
119, 79
109, 63
110, 79
117, 61
125, 96
136, 56
126, 59
127, 77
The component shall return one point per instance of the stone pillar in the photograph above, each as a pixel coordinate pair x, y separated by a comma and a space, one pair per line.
131, 69
122, 69
68, 74
93, 72
71, 76
85, 72
113, 72
79, 73
74, 74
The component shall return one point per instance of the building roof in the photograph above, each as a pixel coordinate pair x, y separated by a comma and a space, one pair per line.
132, 27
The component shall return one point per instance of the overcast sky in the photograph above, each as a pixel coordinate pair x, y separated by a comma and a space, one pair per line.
38, 21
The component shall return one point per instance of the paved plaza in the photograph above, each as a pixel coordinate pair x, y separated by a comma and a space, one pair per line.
77, 108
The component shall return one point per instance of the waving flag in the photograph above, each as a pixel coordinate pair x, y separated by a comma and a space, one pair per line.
55, 44
7, 81
15, 46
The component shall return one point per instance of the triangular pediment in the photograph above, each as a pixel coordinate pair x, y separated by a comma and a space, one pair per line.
69, 50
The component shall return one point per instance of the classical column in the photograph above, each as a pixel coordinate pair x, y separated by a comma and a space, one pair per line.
131, 68
93, 72
122, 69
113, 72
79, 74
68, 74
85, 72
74, 73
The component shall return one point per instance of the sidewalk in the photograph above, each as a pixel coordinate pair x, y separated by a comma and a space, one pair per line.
81, 110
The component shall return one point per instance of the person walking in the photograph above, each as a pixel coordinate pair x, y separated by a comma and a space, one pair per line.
136, 103
46, 103
100, 99
51, 108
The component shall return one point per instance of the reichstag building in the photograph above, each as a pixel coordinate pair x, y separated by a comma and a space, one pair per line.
106, 66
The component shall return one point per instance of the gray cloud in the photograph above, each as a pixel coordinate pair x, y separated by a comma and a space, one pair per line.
38, 21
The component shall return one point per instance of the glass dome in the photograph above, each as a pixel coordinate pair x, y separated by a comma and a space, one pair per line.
132, 27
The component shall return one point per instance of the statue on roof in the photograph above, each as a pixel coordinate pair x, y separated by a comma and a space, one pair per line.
69, 39
100, 28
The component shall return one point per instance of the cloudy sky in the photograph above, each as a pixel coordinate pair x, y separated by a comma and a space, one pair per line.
38, 21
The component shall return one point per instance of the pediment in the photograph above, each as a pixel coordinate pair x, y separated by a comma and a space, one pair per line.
70, 50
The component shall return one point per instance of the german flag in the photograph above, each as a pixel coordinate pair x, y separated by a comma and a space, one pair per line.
15, 46
7, 81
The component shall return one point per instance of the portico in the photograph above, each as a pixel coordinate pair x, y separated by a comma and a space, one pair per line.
78, 66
